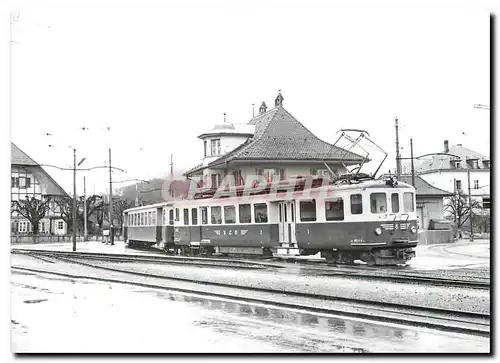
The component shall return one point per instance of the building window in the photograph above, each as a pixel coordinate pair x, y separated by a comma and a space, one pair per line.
378, 203
14, 182
260, 212
356, 204
60, 225
41, 227
215, 146
186, 216
23, 227
476, 184
204, 215
486, 203
395, 202
308, 210
238, 179
194, 216
216, 214
408, 205
456, 164
229, 214
274, 174
205, 148
245, 213
458, 185
334, 209
215, 180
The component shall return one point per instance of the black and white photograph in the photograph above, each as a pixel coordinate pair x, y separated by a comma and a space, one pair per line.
191, 177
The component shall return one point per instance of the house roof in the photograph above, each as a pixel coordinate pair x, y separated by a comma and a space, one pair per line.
443, 162
422, 187
279, 136
48, 185
19, 157
230, 129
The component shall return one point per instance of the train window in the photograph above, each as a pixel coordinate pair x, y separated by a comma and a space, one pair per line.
216, 214
150, 218
334, 209
141, 218
171, 216
378, 203
154, 218
245, 213
164, 218
204, 215
229, 214
308, 210
186, 216
408, 202
260, 212
395, 202
356, 204
194, 216
176, 214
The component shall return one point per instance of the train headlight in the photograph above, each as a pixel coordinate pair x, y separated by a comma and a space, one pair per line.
413, 229
378, 231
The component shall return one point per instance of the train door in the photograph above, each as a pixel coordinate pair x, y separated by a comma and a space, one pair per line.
195, 230
290, 206
158, 224
283, 228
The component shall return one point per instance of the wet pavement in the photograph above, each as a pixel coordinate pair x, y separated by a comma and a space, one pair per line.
53, 314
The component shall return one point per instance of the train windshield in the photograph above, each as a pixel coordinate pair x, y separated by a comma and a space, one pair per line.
408, 202
378, 203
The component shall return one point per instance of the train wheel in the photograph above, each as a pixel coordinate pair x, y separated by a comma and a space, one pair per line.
209, 251
329, 256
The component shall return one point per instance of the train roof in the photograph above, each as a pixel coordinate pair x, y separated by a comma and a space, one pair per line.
150, 206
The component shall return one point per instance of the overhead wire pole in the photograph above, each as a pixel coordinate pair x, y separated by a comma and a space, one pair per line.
111, 229
412, 166
398, 157
74, 200
470, 207
84, 211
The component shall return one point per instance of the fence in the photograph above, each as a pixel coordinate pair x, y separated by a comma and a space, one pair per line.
20, 239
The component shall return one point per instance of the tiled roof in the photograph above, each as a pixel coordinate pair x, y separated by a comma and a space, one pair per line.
279, 136
422, 187
439, 162
194, 169
19, 157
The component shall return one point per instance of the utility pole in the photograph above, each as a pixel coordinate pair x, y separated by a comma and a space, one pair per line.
74, 200
470, 206
398, 156
110, 212
171, 166
412, 167
84, 211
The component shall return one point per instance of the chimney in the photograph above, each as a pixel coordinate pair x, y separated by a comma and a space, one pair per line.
446, 148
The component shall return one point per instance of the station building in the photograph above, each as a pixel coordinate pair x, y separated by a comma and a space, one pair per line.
273, 144
29, 179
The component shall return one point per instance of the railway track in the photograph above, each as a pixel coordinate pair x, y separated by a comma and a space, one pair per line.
434, 318
314, 270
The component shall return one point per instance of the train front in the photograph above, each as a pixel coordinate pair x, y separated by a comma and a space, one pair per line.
392, 229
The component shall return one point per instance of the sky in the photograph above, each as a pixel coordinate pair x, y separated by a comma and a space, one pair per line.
159, 76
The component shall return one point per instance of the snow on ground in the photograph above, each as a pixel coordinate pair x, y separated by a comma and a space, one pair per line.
52, 314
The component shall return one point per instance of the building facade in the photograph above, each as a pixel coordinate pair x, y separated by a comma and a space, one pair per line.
273, 144
452, 172
29, 179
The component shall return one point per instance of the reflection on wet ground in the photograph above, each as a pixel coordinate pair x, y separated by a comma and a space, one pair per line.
328, 328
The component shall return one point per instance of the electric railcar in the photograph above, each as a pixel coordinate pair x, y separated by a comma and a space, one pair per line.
369, 220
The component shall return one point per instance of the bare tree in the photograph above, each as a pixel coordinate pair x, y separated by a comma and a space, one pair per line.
64, 206
458, 207
33, 209
119, 206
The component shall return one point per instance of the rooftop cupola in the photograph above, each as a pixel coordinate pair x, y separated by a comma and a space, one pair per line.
279, 100
263, 108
